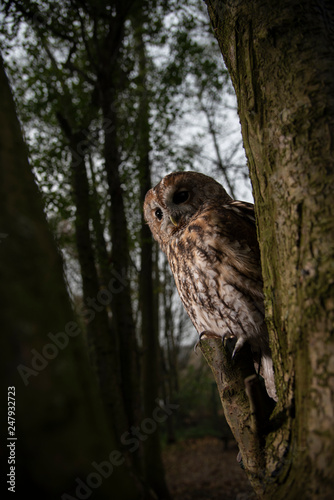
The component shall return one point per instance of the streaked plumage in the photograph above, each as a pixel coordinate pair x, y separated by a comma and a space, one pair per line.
211, 245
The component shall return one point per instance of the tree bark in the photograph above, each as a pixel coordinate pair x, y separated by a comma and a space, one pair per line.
280, 57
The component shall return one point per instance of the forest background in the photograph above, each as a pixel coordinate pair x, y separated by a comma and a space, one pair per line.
111, 96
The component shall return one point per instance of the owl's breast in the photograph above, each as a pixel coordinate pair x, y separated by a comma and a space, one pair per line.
215, 294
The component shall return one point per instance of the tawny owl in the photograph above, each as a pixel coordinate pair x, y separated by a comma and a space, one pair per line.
211, 245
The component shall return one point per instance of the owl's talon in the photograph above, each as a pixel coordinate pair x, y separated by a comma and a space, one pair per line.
209, 335
225, 337
199, 340
200, 336
196, 346
238, 346
239, 460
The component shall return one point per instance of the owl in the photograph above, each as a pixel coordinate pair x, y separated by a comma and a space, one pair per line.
211, 245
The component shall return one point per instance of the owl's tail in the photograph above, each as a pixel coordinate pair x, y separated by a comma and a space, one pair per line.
267, 372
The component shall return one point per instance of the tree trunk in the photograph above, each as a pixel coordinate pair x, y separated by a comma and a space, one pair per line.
153, 466
103, 257
101, 338
59, 431
96, 298
171, 363
280, 57
121, 305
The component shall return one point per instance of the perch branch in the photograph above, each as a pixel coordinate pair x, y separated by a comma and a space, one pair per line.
246, 405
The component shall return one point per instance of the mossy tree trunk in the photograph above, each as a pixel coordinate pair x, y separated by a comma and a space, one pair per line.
280, 56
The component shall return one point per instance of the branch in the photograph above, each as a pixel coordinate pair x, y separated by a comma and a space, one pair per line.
219, 161
246, 405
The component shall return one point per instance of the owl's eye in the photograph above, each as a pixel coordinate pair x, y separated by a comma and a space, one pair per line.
158, 213
180, 197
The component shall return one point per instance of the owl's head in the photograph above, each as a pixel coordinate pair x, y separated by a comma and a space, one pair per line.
176, 200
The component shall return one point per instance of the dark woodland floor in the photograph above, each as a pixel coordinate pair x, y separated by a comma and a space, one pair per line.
201, 469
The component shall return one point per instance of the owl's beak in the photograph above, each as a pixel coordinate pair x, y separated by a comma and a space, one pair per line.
173, 221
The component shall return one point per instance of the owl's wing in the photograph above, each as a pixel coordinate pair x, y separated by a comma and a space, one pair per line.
232, 233
236, 227
243, 208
